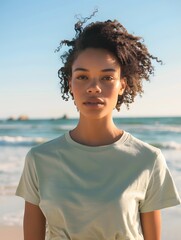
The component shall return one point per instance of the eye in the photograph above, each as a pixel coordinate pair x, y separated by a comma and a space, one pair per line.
82, 77
108, 78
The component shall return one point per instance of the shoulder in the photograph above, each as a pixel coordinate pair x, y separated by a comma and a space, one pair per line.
47, 150
46, 155
145, 156
142, 152
139, 146
50, 145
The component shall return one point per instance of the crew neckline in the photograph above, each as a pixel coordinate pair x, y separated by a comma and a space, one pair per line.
80, 146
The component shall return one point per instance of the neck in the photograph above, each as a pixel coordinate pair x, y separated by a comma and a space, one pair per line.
96, 132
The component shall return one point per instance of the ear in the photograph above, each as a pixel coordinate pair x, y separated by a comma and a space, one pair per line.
123, 85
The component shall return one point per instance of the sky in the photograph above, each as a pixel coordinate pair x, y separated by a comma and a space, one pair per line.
30, 31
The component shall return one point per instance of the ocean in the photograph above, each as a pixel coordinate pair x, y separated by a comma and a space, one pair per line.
17, 137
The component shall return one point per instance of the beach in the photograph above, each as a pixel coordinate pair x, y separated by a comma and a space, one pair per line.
9, 233
17, 137
11, 218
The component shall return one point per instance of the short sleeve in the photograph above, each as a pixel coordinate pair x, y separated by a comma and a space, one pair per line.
161, 191
28, 185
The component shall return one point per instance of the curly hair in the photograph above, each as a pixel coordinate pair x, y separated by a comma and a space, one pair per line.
133, 56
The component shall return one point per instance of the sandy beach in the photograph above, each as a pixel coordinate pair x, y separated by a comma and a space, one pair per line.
11, 232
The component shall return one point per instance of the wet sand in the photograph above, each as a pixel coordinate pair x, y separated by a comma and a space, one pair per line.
11, 232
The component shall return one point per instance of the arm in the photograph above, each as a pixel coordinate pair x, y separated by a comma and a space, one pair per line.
151, 225
34, 223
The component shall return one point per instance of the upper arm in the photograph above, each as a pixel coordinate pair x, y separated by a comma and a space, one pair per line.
34, 222
151, 225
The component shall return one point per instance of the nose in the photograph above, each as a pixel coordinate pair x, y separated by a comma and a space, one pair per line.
94, 87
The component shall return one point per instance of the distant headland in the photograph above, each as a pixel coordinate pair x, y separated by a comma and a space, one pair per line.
26, 118
20, 118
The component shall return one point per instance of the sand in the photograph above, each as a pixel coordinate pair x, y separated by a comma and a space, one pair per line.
11, 233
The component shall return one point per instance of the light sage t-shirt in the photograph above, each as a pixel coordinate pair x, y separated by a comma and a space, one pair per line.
96, 193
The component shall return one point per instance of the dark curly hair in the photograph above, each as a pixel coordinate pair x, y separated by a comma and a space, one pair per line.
133, 56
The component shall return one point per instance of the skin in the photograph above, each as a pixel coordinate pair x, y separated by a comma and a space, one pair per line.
34, 223
95, 84
151, 225
96, 78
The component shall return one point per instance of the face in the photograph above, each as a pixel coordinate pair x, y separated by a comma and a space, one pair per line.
96, 82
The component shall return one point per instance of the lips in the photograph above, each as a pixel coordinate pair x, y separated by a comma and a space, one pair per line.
94, 102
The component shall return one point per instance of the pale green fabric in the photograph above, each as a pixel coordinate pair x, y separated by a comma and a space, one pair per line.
89, 193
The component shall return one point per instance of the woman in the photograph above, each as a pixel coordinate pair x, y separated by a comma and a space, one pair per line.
98, 181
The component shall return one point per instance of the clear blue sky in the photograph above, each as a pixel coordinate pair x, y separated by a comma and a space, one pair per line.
31, 30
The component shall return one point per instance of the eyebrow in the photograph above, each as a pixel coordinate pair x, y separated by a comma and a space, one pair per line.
81, 69
108, 70
103, 70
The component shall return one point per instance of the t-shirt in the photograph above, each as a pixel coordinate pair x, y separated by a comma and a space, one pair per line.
96, 193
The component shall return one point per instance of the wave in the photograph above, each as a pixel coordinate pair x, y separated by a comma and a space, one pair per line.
158, 129
162, 128
12, 218
20, 141
7, 190
168, 145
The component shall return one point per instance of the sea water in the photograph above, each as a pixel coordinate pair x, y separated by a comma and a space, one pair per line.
17, 137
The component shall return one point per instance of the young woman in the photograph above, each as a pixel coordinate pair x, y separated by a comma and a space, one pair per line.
98, 181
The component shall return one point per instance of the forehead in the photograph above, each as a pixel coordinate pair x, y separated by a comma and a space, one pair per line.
96, 57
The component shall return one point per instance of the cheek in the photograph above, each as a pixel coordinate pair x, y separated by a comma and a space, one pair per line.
114, 90
76, 92
75, 89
